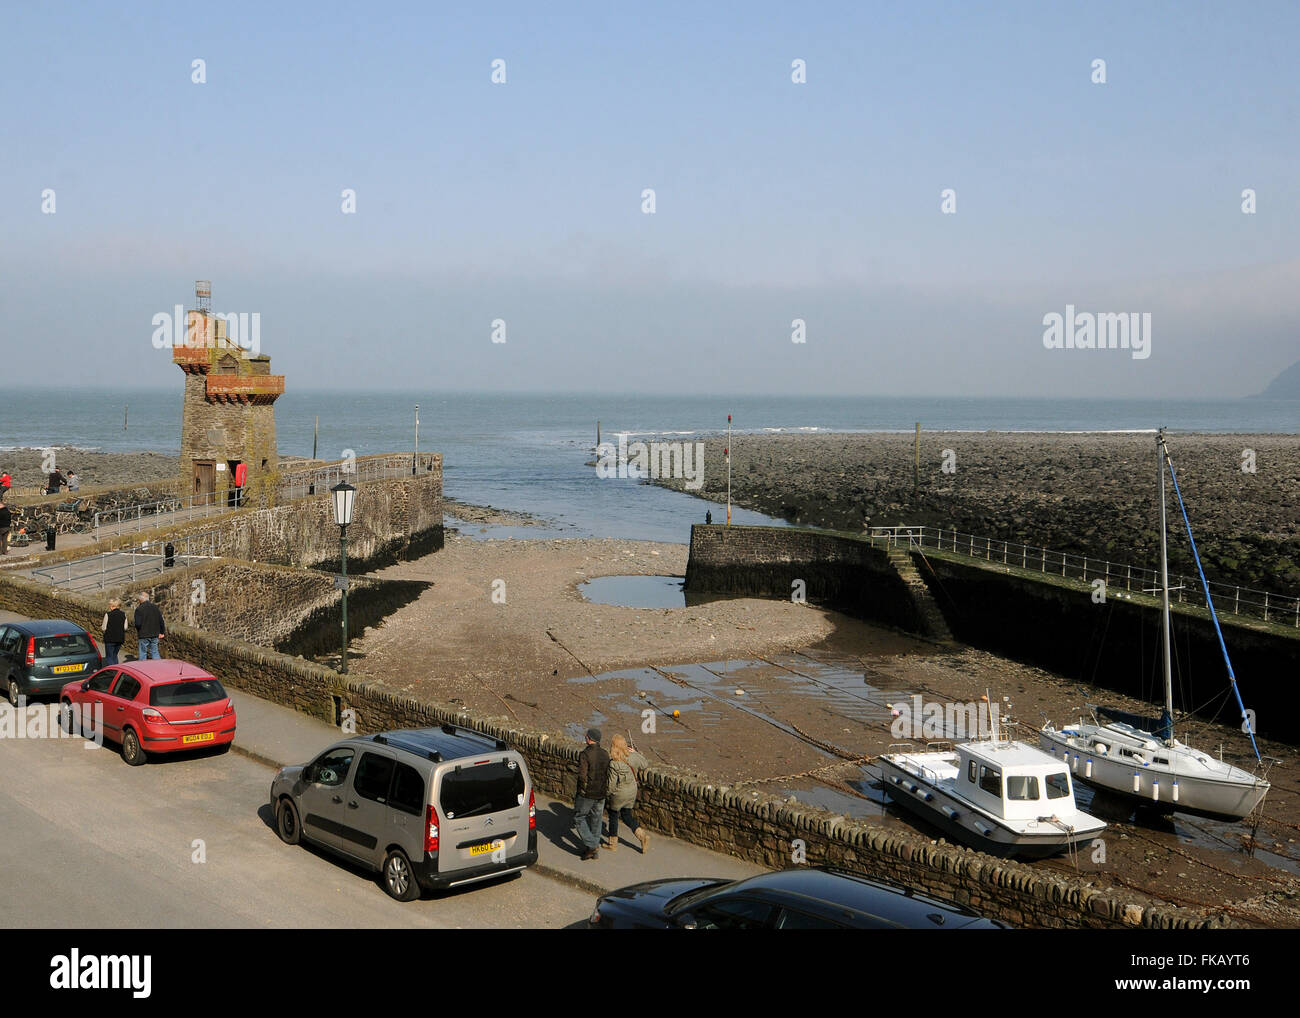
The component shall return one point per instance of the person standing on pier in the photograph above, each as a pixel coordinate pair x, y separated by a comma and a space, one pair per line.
149, 627
114, 630
589, 803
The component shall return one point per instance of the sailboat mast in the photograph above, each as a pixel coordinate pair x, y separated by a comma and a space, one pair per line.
1164, 584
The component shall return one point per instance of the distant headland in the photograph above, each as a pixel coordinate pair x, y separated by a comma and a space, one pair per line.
1284, 386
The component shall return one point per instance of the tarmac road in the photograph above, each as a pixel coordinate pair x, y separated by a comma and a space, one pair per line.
88, 842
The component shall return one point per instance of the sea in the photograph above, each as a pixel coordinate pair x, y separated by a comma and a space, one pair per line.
529, 452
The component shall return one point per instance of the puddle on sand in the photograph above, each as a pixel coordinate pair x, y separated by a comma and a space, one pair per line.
710, 705
635, 591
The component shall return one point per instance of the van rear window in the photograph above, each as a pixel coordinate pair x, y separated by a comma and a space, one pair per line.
186, 694
61, 646
487, 788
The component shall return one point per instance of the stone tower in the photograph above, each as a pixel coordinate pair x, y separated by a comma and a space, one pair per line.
229, 410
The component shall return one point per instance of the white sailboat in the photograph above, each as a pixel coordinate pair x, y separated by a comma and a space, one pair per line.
1140, 758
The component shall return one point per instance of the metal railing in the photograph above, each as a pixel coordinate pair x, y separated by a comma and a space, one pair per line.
319, 480
1268, 606
126, 565
143, 515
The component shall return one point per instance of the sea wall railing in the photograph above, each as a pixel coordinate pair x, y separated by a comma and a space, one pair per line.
144, 515
126, 565
319, 480
1268, 606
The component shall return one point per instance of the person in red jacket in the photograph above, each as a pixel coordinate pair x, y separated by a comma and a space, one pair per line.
241, 477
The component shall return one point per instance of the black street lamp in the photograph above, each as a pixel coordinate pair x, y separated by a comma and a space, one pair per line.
344, 495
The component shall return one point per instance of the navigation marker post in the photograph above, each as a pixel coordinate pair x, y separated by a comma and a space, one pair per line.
727, 452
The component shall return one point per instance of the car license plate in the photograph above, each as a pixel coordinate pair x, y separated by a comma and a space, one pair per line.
205, 737
487, 849
61, 669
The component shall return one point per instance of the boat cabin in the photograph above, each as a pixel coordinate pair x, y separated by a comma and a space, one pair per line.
1013, 780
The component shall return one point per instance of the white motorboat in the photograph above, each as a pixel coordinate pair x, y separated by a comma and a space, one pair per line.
1139, 758
1001, 797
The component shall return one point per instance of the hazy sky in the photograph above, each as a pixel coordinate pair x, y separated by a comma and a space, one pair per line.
774, 200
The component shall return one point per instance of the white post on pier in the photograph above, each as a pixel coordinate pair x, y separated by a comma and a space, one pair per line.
727, 453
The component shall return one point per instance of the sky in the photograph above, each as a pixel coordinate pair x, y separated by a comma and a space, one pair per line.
774, 200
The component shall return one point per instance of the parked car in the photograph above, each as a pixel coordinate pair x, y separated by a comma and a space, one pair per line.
427, 808
149, 707
38, 656
805, 898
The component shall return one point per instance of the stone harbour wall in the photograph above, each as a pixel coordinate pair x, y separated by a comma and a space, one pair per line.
838, 571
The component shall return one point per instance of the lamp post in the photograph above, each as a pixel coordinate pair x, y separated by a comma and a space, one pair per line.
416, 459
344, 495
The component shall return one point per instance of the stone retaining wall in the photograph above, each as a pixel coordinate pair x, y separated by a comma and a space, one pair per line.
838, 571
746, 824
393, 518
295, 611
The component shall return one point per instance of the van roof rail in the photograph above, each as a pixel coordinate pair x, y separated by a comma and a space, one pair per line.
379, 738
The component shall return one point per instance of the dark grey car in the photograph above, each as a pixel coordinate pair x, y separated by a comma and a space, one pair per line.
427, 808
38, 656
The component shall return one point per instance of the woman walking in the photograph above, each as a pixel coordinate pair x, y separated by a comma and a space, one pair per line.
622, 792
114, 629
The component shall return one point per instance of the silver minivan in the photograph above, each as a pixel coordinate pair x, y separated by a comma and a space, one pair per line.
427, 808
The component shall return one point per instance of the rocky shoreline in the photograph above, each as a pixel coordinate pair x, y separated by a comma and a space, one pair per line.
1088, 494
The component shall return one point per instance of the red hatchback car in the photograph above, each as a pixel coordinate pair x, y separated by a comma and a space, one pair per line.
151, 707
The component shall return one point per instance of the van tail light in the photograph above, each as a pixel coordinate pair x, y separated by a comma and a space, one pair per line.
532, 811
153, 717
431, 831
31, 651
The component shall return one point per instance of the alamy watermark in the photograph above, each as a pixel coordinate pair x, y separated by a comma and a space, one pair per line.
52, 721
935, 720
1084, 330
198, 331
681, 460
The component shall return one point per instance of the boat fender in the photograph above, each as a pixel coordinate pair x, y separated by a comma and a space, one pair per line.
1136, 781
1087, 768
1155, 790
1175, 789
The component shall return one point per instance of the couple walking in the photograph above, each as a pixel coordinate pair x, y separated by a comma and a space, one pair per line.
149, 628
607, 781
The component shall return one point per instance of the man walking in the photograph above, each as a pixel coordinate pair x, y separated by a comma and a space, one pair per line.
589, 804
149, 627
6, 521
